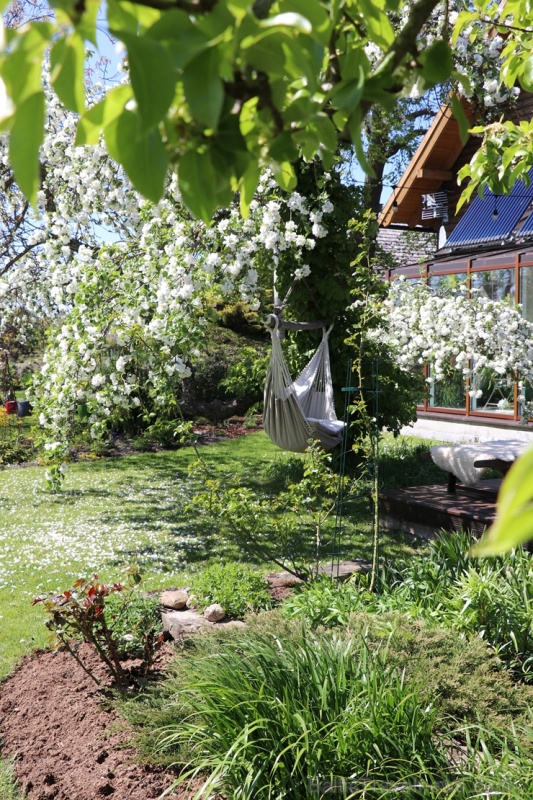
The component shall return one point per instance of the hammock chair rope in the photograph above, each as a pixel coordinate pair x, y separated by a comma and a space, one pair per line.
303, 409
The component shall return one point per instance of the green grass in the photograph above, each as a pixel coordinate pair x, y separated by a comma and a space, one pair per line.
111, 513
273, 705
8, 786
116, 512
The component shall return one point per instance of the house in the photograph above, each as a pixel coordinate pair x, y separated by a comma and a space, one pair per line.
489, 244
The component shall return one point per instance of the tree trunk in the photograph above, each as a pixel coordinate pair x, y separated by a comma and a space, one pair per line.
217, 409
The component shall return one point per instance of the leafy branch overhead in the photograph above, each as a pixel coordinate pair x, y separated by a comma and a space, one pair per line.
214, 89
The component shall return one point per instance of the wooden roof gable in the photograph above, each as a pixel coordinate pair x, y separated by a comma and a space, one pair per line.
428, 169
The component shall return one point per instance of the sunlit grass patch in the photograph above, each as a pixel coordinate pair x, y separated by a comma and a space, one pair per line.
8, 786
134, 510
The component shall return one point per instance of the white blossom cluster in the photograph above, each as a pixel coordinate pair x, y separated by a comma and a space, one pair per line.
127, 284
469, 334
478, 59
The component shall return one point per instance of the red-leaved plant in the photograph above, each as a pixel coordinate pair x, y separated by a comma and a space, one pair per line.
85, 613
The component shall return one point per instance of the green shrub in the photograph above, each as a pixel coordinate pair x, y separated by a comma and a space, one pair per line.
400, 463
237, 588
165, 433
135, 622
113, 618
268, 717
491, 598
16, 452
494, 599
326, 602
462, 672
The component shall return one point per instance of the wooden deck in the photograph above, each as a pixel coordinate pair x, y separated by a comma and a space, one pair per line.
424, 510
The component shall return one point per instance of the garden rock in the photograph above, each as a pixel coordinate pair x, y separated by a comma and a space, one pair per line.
345, 569
178, 623
214, 613
174, 599
282, 579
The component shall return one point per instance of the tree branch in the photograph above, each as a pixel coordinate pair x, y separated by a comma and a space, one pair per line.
16, 258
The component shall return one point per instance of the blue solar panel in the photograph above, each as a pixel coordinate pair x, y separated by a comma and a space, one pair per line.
527, 227
478, 226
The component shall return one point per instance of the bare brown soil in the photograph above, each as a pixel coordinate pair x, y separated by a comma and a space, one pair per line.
67, 741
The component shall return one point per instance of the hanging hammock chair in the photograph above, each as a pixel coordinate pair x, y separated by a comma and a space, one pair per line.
303, 409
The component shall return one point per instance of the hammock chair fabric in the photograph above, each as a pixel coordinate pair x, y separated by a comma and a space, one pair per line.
303, 409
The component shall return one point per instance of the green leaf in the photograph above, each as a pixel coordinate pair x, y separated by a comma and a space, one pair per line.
97, 118
514, 513
248, 185
143, 158
288, 20
203, 88
238, 8
353, 62
346, 95
378, 25
21, 69
283, 148
460, 116
121, 17
327, 132
184, 39
248, 117
25, 139
130, 17
526, 75
354, 127
437, 62
308, 141
265, 52
317, 16
196, 178
303, 59
152, 77
231, 145
67, 73
285, 175
86, 26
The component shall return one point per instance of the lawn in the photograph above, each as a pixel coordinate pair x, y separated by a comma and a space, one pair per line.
110, 514
113, 513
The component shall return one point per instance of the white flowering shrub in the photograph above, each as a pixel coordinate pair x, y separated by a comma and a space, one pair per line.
465, 332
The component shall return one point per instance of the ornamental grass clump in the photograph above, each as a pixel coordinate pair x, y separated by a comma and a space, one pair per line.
267, 717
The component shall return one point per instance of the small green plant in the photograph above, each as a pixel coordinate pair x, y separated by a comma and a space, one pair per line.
164, 433
115, 627
283, 472
135, 622
16, 452
288, 528
237, 588
325, 602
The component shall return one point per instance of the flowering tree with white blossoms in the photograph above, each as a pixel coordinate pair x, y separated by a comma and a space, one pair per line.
465, 332
132, 283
